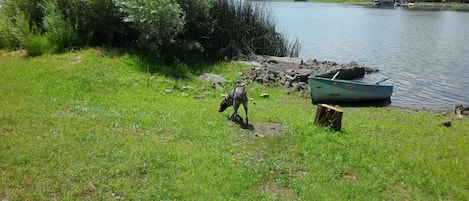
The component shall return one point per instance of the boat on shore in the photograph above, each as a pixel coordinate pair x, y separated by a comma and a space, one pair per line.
327, 90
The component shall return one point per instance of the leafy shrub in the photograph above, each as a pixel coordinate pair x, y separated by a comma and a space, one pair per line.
190, 44
14, 26
38, 44
157, 21
175, 30
59, 30
104, 25
227, 29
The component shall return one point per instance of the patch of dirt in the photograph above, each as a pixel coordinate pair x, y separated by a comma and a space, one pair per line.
268, 129
277, 190
77, 59
18, 53
347, 176
261, 129
397, 191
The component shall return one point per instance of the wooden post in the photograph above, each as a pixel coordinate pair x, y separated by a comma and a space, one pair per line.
327, 115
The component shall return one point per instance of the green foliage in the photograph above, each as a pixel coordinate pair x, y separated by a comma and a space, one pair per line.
156, 21
38, 44
104, 25
176, 30
59, 30
14, 26
191, 43
242, 28
68, 24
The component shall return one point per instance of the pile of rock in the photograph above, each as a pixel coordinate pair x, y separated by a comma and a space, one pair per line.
294, 72
461, 110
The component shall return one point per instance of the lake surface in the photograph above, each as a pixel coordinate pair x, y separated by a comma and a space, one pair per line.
426, 53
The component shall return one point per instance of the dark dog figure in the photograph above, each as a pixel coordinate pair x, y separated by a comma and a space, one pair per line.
236, 97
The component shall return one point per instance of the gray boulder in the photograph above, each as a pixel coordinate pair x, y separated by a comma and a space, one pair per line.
207, 77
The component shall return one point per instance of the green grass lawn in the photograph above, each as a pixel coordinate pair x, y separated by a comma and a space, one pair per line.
95, 124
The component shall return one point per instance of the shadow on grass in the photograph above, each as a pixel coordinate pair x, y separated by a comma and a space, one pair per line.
238, 120
154, 65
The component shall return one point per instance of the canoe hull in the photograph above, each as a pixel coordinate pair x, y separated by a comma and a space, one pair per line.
325, 90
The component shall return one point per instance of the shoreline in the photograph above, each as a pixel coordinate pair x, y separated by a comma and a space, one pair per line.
431, 6
293, 73
454, 6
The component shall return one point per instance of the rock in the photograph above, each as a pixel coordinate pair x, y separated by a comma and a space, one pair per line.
288, 77
264, 95
294, 73
217, 86
303, 74
207, 77
293, 60
299, 86
446, 123
259, 135
369, 70
117, 197
168, 90
301, 93
461, 110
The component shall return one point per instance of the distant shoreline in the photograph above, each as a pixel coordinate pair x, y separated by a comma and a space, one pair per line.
418, 6
424, 6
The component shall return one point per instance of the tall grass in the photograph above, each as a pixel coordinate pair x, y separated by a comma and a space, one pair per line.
244, 27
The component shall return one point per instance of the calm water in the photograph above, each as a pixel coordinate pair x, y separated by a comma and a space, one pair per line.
426, 53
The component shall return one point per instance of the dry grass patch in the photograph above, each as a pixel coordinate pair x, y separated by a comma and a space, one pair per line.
278, 191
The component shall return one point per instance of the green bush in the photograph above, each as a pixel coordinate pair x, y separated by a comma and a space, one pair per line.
104, 25
38, 44
59, 31
227, 29
191, 43
14, 26
157, 21
173, 30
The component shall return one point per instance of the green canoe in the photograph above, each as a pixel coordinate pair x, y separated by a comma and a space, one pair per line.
325, 90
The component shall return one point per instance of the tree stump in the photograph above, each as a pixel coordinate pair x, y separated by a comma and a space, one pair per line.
327, 115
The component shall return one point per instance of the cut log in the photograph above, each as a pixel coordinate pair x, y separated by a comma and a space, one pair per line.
327, 115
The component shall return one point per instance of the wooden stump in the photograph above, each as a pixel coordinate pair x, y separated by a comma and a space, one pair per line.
327, 115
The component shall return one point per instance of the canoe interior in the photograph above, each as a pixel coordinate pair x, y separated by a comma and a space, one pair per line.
325, 90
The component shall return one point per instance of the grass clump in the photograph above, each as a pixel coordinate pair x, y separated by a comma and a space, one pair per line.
95, 124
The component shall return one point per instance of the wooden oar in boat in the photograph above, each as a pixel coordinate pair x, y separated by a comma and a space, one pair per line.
333, 78
383, 80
